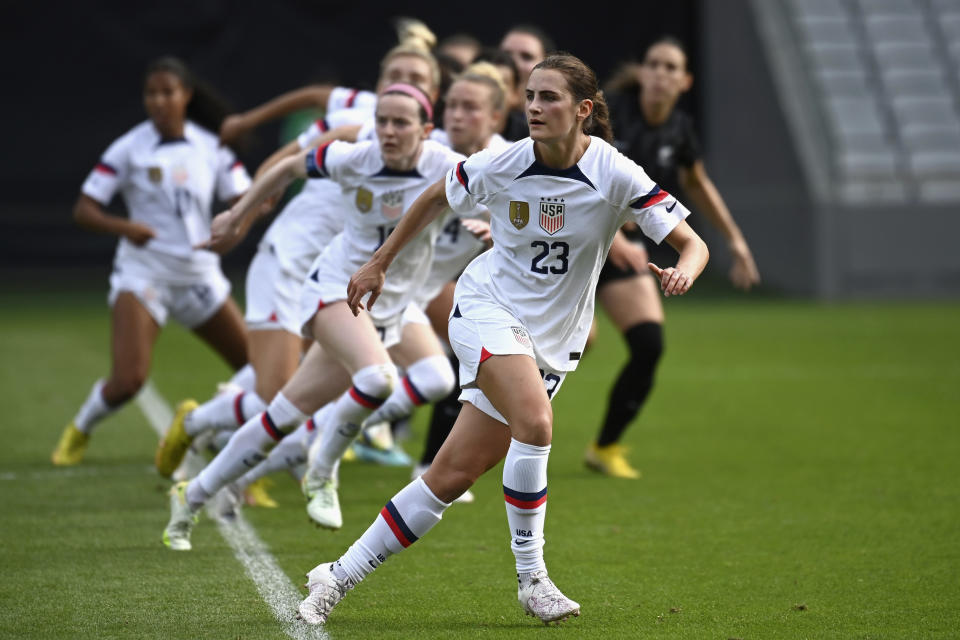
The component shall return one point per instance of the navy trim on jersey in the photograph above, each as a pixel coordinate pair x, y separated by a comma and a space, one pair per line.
317, 162
653, 197
462, 176
387, 172
574, 173
172, 141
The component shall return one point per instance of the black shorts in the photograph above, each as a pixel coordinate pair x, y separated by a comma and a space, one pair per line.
611, 273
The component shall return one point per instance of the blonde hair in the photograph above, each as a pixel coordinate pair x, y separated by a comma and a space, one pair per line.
416, 40
488, 75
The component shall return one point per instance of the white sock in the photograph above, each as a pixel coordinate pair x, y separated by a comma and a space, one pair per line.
525, 493
245, 378
93, 410
371, 386
250, 445
427, 380
404, 520
224, 411
287, 455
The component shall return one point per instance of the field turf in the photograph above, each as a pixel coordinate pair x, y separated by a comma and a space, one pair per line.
799, 481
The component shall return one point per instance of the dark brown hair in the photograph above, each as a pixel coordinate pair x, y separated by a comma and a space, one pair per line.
582, 82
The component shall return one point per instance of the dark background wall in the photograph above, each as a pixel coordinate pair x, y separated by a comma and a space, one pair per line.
72, 75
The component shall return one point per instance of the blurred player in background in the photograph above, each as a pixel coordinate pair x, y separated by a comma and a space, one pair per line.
168, 169
652, 132
528, 44
290, 245
521, 315
349, 355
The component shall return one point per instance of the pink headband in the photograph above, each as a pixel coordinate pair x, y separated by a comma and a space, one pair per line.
413, 92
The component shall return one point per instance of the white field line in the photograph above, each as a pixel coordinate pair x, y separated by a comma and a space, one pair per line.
272, 583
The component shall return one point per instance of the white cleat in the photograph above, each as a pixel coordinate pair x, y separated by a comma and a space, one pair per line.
539, 597
177, 534
325, 591
323, 503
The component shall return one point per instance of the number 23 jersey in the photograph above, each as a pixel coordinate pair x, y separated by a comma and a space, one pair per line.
551, 231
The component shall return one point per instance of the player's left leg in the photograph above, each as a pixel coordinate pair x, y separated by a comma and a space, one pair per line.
633, 305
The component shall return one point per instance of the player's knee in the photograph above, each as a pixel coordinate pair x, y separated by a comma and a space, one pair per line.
432, 378
646, 343
533, 425
376, 381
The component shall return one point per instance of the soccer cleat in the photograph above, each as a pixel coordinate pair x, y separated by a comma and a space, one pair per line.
323, 503
173, 446
378, 435
177, 534
394, 457
255, 495
539, 597
71, 447
325, 591
609, 460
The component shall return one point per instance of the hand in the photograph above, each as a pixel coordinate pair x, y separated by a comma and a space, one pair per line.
232, 128
368, 279
224, 233
479, 228
673, 282
743, 272
139, 234
628, 256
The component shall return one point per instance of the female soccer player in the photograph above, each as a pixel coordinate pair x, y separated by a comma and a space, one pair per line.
379, 179
521, 315
289, 247
168, 169
651, 131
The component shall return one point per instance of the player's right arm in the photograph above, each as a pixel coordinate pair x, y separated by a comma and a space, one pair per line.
310, 97
89, 214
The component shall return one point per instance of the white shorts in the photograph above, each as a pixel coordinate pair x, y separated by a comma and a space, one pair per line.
414, 314
491, 330
273, 294
190, 304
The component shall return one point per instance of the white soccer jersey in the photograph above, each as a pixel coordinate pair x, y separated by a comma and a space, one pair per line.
552, 229
314, 216
169, 185
455, 246
347, 98
377, 198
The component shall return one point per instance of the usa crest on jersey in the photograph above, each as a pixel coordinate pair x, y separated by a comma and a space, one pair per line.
551, 214
391, 204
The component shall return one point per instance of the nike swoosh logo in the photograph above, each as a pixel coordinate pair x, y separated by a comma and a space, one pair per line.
520, 542
671, 207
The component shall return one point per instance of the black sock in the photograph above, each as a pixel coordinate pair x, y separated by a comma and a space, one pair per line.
630, 391
444, 414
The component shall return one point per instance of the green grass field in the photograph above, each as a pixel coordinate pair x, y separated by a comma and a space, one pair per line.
799, 481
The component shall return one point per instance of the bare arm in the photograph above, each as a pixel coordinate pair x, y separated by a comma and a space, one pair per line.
675, 281
705, 197
89, 214
229, 227
370, 277
347, 132
313, 96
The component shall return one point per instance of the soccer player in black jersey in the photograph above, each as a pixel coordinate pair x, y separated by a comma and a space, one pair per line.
651, 131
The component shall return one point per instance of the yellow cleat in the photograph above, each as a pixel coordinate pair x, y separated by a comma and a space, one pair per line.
256, 494
71, 447
610, 460
349, 455
173, 446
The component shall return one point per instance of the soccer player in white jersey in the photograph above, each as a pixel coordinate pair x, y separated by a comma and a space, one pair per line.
168, 171
285, 254
379, 179
521, 316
